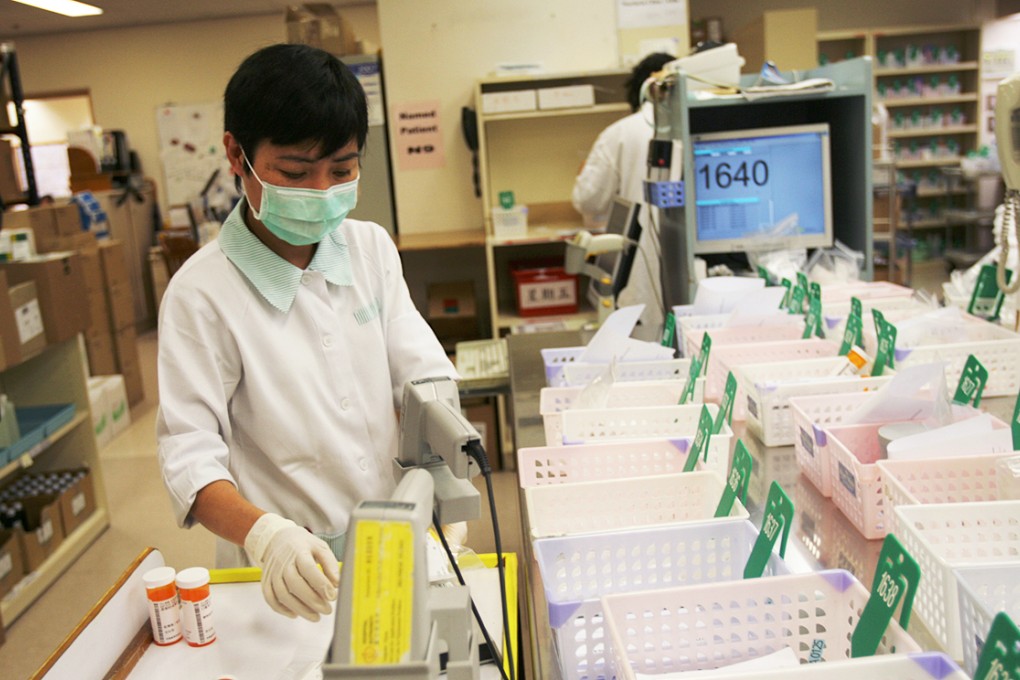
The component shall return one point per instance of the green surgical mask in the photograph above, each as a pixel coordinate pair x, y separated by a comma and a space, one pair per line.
302, 217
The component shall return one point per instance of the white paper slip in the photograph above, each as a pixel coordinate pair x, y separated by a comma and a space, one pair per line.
612, 340
980, 435
784, 658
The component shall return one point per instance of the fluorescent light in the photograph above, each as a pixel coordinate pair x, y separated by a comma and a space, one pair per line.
69, 8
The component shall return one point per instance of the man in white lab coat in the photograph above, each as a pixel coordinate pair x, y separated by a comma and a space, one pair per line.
617, 166
284, 345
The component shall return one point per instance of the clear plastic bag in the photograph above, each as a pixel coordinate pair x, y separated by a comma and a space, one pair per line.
837, 265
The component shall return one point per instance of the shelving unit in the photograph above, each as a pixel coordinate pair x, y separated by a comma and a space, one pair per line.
536, 154
57, 375
928, 78
10, 90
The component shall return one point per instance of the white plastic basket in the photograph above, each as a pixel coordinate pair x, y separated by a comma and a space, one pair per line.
863, 290
960, 479
544, 465
769, 388
612, 504
553, 401
984, 591
711, 322
714, 625
563, 368
997, 349
923, 666
726, 358
834, 316
577, 570
811, 415
947, 535
739, 335
588, 426
857, 487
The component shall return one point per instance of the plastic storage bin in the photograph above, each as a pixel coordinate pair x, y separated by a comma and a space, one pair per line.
863, 290
923, 666
714, 625
554, 400
769, 388
943, 536
985, 591
563, 368
710, 322
811, 415
608, 505
857, 487
584, 426
960, 479
543, 465
577, 570
739, 335
36, 423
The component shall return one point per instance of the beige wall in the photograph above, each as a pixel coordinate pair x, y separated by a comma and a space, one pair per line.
131, 72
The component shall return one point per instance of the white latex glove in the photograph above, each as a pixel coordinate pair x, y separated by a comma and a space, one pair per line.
289, 556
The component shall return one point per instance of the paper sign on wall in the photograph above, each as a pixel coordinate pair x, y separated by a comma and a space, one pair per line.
645, 13
417, 134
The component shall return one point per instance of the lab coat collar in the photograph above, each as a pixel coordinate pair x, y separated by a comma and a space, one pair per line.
273, 277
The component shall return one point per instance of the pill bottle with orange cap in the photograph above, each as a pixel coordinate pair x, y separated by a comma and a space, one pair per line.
196, 606
164, 608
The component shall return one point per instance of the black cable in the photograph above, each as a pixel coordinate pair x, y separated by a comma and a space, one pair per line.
460, 577
476, 451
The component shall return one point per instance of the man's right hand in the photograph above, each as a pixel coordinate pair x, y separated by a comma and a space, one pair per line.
290, 557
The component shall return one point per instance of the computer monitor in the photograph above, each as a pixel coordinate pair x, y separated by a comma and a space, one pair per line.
623, 219
762, 188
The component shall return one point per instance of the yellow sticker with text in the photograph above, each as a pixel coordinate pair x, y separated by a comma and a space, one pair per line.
382, 607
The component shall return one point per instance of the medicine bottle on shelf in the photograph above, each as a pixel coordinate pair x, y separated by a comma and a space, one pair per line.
164, 608
196, 606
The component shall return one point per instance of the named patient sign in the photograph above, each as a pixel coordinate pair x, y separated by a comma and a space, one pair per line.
417, 132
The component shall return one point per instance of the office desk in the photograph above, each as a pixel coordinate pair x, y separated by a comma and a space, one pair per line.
821, 536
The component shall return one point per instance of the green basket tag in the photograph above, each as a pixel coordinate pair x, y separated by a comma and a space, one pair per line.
725, 414
669, 331
802, 281
896, 579
785, 283
886, 344
778, 515
986, 300
699, 366
815, 290
851, 334
736, 483
797, 300
764, 274
856, 307
701, 439
813, 319
1016, 424
506, 199
1000, 656
972, 383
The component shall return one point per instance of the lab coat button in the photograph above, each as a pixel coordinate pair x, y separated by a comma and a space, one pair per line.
327, 340
363, 464
306, 279
345, 403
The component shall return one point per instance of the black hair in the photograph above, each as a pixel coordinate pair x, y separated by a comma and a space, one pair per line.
645, 68
288, 94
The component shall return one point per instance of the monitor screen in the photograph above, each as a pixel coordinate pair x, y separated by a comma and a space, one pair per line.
623, 219
761, 188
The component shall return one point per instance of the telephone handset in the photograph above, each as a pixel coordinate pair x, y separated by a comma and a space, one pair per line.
1007, 133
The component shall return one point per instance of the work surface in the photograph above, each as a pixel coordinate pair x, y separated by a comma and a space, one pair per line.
821, 537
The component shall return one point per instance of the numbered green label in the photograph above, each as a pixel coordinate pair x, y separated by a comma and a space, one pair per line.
815, 290
785, 283
896, 577
851, 334
736, 483
777, 520
1000, 656
725, 414
1016, 424
986, 300
699, 365
669, 331
701, 439
797, 300
972, 382
813, 319
856, 307
764, 274
886, 345
802, 281
506, 199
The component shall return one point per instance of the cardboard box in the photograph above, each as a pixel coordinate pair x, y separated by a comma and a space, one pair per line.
100, 352
28, 319
45, 532
125, 348
10, 343
452, 312
10, 182
12, 565
59, 283
102, 427
42, 221
108, 392
95, 292
77, 502
481, 413
67, 219
113, 257
120, 307
319, 25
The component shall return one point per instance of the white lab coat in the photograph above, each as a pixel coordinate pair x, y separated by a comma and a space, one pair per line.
298, 409
617, 166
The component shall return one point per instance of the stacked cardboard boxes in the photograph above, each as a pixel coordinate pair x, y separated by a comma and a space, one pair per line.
120, 304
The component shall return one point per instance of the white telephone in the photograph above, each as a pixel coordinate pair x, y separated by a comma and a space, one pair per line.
1007, 133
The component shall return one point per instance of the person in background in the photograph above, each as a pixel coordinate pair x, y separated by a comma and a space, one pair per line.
617, 166
285, 344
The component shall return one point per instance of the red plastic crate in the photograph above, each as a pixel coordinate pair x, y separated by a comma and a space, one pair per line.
545, 291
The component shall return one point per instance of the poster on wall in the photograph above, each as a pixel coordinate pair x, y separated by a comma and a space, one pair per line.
648, 13
417, 135
192, 155
997, 64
